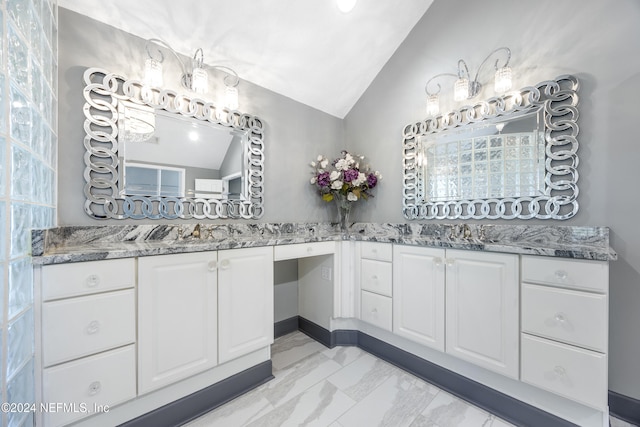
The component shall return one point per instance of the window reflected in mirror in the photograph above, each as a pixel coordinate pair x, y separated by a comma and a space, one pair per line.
491, 159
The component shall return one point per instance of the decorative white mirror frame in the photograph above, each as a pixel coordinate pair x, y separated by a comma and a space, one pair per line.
558, 100
102, 92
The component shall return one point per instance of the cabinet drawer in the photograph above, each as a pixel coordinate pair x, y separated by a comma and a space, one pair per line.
574, 317
77, 327
104, 379
572, 372
83, 278
376, 276
302, 250
377, 310
376, 251
566, 273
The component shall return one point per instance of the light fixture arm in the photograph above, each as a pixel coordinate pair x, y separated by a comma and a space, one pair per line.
474, 85
164, 44
231, 72
426, 87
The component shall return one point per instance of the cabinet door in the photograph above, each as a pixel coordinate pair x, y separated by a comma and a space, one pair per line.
245, 292
177, 313
418, 294
482, 309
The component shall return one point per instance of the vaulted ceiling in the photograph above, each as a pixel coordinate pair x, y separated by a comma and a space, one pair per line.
306, 50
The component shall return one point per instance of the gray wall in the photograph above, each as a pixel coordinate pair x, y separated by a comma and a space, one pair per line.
294, 133
597, 41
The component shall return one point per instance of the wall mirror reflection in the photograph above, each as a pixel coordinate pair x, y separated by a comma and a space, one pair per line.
167, 155
513, 156
152, 153
492, 159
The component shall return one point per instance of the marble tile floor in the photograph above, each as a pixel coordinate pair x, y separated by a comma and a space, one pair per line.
344, 387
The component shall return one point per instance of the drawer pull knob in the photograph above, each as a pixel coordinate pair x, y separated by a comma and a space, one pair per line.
437, 261
374, 277
375, 251
562, 275
93, 328
213, 265
560, 318
225, 264
94, 388
559, 370
93, 281
309, 249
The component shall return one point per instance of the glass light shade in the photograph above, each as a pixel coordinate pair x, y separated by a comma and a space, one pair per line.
346, 6
433, 105
199, 80
231, 97
153, 72
503, 79
461, 89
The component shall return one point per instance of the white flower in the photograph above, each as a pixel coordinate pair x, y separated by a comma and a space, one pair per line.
378, 174
336, 185
349, 158
352, 197
334, 175
320, 158
313, 180
359, 180
342, 165
324, 163
313, 164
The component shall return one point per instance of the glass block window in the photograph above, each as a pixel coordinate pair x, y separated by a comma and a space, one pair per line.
28, 145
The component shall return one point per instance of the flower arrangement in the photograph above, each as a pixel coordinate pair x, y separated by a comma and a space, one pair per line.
345, 177
344, 180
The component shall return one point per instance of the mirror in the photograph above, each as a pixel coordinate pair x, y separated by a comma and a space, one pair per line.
162, 154
154, 154
509, 157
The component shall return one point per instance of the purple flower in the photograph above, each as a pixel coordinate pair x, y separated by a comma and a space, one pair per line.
350, 175
372, 180
323, 179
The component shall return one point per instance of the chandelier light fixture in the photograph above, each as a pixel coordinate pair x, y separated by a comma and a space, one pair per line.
194, 75
466, 88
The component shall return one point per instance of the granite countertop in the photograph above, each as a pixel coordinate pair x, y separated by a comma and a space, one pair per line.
76, 244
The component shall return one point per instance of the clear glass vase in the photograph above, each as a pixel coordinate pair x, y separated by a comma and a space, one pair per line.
344, 212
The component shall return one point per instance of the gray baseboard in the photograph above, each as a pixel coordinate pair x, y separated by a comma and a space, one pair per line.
197, 404
285, 326
624, 407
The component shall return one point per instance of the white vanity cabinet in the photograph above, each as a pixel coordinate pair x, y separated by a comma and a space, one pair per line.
482, 309
418, 294
177, 317
376, 288
87, 335
245, 294
565, 327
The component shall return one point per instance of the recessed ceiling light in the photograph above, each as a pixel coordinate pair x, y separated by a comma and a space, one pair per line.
346, 6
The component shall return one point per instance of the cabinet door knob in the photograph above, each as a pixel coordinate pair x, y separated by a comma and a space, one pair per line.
437, 261
374, 311
225, 264
92, 281
213, 265
560, 318
450, 262
559, 370
94, 388
309, 249
93, 328
374, 277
